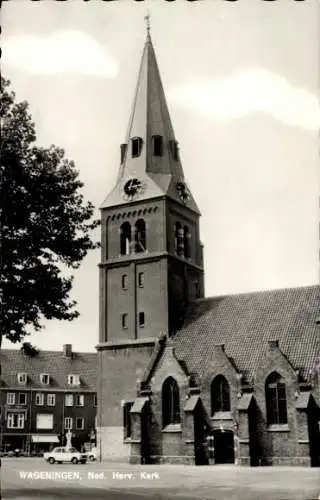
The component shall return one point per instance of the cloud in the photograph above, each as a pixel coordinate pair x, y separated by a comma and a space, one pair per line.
249, 91
64, 51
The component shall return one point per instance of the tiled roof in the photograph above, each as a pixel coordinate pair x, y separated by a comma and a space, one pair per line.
245, 323
55, 363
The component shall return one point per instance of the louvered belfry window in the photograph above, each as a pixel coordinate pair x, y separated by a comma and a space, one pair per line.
125, 238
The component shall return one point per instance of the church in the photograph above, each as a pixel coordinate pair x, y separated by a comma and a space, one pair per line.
183, 378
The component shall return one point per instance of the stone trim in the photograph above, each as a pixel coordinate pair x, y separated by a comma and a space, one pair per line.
278, 428
123, 344
172, 428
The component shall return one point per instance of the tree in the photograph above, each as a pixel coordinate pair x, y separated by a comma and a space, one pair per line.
45, 225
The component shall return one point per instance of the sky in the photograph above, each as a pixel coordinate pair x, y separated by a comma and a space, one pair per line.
242, 84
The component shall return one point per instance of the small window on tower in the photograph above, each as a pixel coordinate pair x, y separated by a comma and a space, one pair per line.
174, 149
124, 320
124, 281
141, 280
141, 319
157, 145
136, 147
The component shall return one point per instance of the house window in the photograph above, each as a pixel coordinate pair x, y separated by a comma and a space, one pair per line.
170, 402
95, 400
124, 281
22, 378
276, 400
174, 149
157, 145
22, 400
79, 423
11, 398
125, 238
140, 236
186, 242
179, 239
124, 321
15, 421
51, 400
68, 400
44, 421
73, 379
141, 319
39, 399
141, 280
68, 423
136, 146
44, 378
79, 399
127, 419
220, 395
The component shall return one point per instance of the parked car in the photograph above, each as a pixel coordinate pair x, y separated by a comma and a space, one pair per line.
63, 454
92, 455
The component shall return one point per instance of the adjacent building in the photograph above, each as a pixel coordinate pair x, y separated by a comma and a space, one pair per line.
45, 395
184, 378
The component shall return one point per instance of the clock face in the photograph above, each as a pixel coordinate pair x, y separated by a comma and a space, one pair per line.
183, 191
132, 187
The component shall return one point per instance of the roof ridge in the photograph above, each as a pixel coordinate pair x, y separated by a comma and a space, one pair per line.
255, 292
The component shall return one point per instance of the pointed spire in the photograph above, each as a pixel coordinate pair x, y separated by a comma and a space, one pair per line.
150, 153
149, 118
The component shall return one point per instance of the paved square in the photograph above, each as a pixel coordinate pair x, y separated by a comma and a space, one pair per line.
24, 479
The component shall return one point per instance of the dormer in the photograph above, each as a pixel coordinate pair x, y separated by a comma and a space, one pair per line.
136, 146
45, 378
22, 378
73, 380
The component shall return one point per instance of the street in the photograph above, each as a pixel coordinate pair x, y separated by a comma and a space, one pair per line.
30, 478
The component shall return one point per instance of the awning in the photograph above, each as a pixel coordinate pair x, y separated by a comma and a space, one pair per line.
45, 438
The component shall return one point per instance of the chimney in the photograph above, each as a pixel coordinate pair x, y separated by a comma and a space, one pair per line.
273, 344
67, 350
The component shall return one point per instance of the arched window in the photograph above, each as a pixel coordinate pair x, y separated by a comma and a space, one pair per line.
140, 236
276, 400
136, 146
186, 242
170, 402
157, 145
179, 240
125, 238
220, 395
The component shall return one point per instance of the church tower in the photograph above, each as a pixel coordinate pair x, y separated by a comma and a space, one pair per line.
151, 255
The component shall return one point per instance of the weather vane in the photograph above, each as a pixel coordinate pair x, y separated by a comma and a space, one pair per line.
147, 20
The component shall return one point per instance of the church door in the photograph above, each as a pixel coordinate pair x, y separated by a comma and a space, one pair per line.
223, 447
